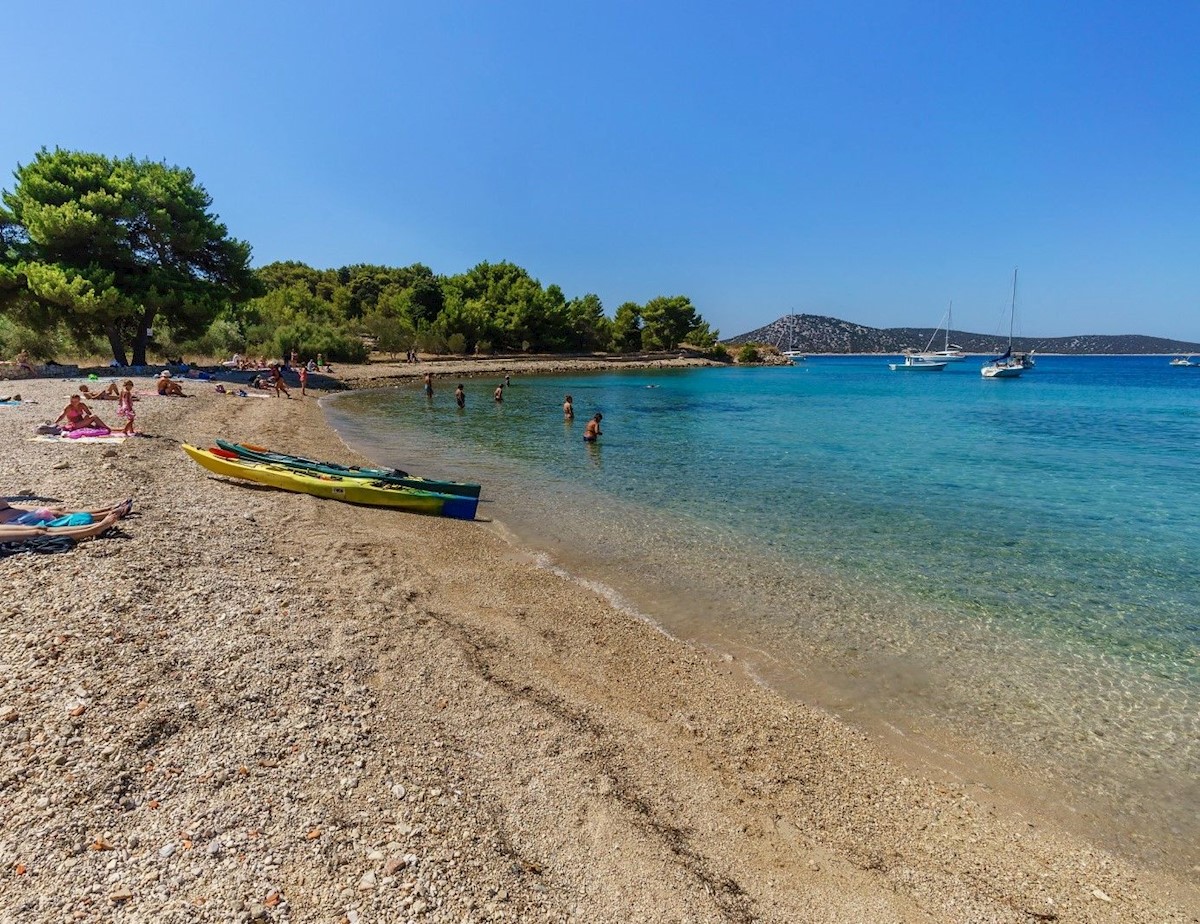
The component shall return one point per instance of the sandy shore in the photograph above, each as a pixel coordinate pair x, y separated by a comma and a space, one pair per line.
252, 705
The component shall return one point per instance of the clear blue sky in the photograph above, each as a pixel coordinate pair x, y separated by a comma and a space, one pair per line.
869, 161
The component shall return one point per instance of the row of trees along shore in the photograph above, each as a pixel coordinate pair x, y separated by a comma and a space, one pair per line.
101, 254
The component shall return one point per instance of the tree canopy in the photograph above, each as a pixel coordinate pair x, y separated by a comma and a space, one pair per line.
128, 252
111, 246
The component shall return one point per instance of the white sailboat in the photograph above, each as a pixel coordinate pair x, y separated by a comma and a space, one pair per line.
1007, 366
796, 356
950, 352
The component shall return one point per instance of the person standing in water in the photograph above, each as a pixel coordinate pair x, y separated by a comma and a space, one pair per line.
428, 384
592, 431
460, 396
568, 409
499, 393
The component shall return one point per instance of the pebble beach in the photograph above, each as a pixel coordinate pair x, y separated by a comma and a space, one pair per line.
250, 705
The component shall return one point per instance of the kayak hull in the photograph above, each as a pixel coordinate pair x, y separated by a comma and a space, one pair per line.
388, 476
333, 487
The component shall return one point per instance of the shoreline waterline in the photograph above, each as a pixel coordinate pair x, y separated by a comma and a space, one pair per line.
895, 690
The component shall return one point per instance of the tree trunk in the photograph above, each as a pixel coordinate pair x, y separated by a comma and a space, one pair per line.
142, 338
114, 341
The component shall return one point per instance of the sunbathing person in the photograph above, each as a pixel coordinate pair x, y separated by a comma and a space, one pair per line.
28, 515
10, 533
109, 392
77, 415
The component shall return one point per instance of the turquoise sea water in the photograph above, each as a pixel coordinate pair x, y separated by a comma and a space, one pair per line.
998, 566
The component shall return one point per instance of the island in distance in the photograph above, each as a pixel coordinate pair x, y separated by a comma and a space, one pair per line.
813, 333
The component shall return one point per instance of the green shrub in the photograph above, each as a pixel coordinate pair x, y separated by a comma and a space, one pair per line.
718, 352
16, 337
431, 341
457, 344
748, 354
483, 348
224, 337
309, 339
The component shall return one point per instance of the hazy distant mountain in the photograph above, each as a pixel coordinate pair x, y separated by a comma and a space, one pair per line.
813, 333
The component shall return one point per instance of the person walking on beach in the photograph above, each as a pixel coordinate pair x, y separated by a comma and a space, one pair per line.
592, 430
277, 381
428, 384
125, 407
499, 393
460, 396
302, 370
568, 408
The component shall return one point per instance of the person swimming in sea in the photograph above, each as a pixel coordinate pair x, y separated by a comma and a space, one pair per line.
592, 430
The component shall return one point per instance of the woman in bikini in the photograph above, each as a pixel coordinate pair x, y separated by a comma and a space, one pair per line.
109, 392
77, 415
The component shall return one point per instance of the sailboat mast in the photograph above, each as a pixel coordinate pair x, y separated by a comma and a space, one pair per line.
1012, 314
949, 321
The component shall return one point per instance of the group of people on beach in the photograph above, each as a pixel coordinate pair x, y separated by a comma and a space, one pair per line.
591, 432
79, 416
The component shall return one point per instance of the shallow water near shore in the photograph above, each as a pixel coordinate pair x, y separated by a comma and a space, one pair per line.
1009, 566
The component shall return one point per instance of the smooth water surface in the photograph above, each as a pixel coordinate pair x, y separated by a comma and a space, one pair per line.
1011, 563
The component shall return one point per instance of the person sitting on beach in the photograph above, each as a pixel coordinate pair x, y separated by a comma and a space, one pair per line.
109, 392
77, 415
592, 430
167, 388
22, 360
568, 408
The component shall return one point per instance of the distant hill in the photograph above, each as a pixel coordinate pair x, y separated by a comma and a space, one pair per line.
814, 333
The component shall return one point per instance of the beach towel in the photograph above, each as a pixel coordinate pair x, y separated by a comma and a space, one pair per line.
64, 438
37, 544
80, 433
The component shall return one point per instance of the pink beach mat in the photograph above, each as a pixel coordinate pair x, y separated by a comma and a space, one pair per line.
80, 436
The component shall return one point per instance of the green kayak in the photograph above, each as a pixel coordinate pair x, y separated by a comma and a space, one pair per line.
386, 475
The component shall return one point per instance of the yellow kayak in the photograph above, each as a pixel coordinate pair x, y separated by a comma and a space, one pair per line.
334, 487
